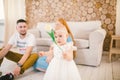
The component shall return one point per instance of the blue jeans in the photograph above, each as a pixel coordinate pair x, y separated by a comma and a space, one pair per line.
41, 63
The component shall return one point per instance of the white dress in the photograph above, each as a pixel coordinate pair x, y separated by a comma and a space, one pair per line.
61, 69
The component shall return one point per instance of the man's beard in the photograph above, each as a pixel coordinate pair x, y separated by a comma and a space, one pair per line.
23, 34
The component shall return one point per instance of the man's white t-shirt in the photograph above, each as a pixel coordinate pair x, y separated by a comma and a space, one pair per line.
21, 44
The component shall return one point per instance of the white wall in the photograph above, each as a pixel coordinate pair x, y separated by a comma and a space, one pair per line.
14, 10
117, 32
1, 10
2, 32
1, 21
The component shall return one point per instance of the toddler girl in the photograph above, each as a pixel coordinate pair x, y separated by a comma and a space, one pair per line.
62, 65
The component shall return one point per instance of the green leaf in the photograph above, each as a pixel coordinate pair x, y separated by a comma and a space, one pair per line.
51, 34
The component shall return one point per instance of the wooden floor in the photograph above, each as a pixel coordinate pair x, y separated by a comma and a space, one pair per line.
106, 71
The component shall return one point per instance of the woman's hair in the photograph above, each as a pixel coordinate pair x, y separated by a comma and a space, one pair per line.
62, 21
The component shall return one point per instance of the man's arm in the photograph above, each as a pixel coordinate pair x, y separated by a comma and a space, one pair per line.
22, 60
5, 50
26, 55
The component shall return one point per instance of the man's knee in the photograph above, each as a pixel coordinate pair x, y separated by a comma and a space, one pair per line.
35, 56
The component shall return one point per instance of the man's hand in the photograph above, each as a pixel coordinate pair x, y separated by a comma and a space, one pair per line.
17, 71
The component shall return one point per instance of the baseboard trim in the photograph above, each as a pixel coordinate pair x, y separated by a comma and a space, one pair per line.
1, 41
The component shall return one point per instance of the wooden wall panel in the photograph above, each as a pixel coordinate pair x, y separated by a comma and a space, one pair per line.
74, 10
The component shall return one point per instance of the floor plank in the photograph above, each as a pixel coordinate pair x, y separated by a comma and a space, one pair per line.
116, 69
106, 71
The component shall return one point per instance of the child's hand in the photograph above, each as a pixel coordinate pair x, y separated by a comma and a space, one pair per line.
64, 55
68, 55
41, 53
49, 58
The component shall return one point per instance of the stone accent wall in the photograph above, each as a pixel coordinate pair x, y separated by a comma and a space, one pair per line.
74, 10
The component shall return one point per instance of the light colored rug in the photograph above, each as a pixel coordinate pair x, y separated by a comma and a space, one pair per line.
30, 74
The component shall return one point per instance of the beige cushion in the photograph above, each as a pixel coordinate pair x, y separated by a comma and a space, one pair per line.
81, 30
43, 41
41, 27
35, 32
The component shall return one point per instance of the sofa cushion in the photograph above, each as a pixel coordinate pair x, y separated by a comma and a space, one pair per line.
78, 29
41, 26
43, 41
82, 43
35, 32
83, 29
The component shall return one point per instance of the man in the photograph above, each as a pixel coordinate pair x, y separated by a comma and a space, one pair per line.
25, 43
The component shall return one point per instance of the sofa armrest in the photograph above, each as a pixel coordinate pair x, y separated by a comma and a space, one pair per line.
96, 38
35, 32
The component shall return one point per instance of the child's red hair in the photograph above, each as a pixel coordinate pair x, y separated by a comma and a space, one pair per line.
62, 21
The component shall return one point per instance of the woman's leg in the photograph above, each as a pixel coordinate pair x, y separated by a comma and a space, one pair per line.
41, 64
